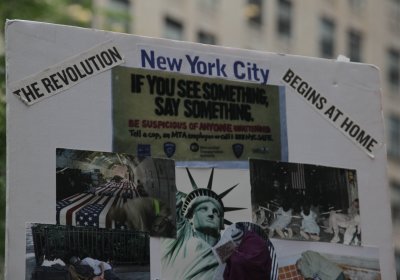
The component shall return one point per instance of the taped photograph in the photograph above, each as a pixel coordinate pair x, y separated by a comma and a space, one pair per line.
68, 252
312, 264
119, 191
305, 202
208, 239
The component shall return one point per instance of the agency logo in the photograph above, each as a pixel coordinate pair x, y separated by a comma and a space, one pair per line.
143, 150
237, 149
194, 147
261, 150
169, 149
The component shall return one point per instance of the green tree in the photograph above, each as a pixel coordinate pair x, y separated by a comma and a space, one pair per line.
71, 12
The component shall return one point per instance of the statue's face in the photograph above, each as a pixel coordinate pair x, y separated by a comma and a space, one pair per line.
206, 217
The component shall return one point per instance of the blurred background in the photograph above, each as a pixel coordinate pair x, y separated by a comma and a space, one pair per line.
365, 31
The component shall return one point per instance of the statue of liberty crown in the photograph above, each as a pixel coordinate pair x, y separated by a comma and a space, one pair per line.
206, 193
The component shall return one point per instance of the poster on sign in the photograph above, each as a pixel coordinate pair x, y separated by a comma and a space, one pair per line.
101, 102
196, 119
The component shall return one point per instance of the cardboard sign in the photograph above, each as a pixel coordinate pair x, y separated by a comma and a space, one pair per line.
210, 109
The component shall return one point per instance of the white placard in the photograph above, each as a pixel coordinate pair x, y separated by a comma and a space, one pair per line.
81, 118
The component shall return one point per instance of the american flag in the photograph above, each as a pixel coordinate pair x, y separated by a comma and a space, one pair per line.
92, 208
298, 178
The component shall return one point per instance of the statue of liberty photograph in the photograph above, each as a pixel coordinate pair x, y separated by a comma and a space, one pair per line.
200, 219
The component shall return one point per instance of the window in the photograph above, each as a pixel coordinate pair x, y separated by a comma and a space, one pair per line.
254, 12
209, 4
354, 45
284, 24
394, 137
327, 38
173, 29
206, 38
118, 16
356, 5
395, 186
395, 192
393, 17
120, 2
393, 71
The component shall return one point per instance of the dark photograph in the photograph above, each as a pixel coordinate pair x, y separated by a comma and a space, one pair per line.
305, 202
76, 253
116, 191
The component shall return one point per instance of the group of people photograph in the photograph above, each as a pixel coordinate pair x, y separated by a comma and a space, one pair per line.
306, 202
